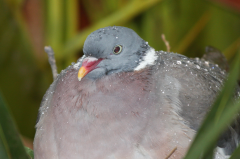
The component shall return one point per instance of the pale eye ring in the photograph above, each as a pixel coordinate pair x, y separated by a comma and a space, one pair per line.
117, 49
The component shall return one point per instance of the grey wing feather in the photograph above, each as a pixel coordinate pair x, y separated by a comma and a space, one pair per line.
200, 82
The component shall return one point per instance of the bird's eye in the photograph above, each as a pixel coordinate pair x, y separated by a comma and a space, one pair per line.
117, 49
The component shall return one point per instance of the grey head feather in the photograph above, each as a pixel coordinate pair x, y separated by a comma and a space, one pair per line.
100, 44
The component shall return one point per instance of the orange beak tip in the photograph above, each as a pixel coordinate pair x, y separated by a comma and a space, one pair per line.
82, 72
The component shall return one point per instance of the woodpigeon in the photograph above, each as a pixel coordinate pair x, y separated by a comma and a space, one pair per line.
124, 100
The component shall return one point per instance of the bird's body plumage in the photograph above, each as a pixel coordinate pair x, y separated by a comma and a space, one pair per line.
134, 114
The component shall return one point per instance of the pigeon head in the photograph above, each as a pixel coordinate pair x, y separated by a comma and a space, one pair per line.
112, 50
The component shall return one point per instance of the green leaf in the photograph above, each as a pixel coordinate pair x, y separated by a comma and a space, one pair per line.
4, 151
10, 138
236, 154
29, 152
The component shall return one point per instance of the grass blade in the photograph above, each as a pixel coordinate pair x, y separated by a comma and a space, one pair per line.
4, 151
29, 152
236, 154
10, 134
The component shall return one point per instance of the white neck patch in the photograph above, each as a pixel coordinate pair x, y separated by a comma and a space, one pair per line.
148, 59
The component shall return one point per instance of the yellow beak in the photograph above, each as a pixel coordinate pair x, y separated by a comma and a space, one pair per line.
82, 72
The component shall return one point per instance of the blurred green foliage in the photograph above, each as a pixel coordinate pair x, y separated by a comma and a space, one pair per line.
10, 143
27, 26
